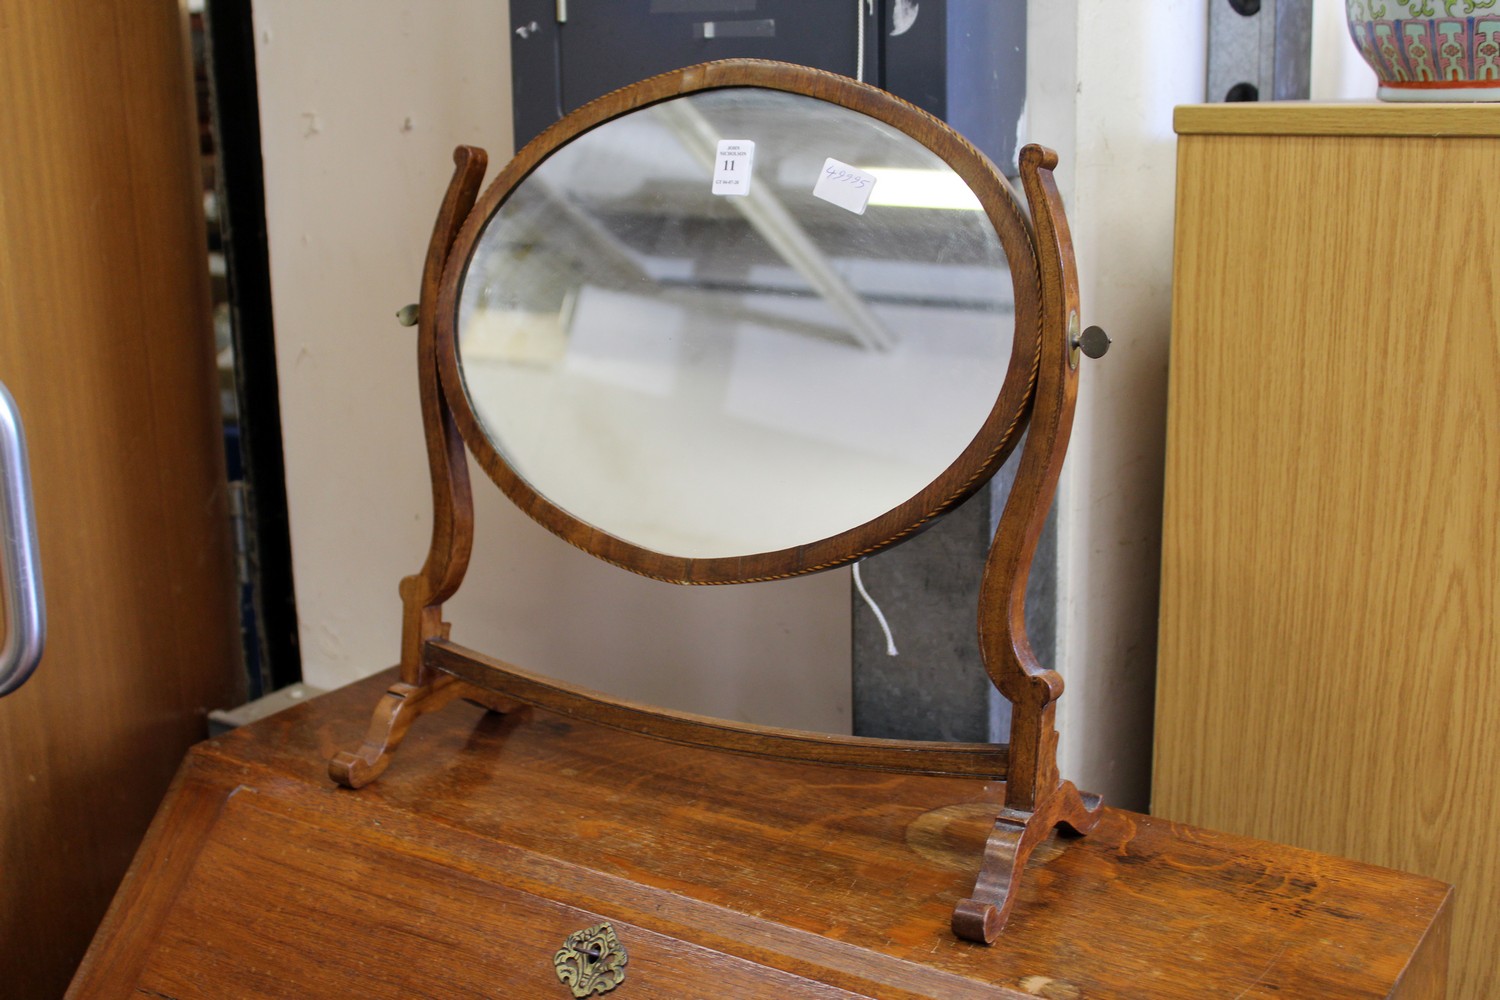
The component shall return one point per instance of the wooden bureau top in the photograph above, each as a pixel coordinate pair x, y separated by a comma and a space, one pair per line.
1338, 118
772, 878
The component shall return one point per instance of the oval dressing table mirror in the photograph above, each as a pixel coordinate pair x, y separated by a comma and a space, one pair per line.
737, 323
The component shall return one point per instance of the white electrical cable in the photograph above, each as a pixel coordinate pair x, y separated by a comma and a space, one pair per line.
890, 640
859, 57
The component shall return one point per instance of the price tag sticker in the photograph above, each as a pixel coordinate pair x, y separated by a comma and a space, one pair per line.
733, 166
845, 186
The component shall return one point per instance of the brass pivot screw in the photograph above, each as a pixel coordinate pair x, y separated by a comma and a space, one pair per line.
407, 315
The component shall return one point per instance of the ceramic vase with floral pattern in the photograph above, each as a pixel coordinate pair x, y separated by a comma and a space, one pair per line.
1430, 50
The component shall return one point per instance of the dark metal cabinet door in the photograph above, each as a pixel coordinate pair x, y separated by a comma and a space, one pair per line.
566, 54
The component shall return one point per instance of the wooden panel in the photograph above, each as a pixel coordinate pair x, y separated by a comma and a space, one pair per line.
105, 343
801, 874
1329, 669
988, 760
1371, 118
278, 869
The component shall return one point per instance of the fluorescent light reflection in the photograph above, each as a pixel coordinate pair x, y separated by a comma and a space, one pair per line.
900, 187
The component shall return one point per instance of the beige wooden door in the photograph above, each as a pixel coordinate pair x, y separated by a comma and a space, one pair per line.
105, 344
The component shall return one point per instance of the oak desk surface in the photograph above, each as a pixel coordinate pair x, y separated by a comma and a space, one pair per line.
460, 871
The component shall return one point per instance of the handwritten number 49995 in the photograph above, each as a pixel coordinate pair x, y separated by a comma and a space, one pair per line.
848, 177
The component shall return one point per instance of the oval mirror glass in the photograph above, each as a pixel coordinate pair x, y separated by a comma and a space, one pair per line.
734, 322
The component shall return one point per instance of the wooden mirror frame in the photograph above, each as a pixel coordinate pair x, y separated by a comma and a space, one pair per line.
987, 450
1041, 387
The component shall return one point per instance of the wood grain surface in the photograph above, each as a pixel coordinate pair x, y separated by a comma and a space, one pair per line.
1349, 118
459, 873
903, 756
1329, 669
106, 344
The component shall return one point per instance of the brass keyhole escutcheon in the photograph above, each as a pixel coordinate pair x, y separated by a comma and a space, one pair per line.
591, 961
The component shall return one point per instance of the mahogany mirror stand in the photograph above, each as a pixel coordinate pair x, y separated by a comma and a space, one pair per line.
1038, 394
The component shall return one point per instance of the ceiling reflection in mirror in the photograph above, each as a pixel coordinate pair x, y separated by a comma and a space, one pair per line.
711, 375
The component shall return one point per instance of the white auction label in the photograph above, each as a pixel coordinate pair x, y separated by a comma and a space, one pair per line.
733, 167
847, 187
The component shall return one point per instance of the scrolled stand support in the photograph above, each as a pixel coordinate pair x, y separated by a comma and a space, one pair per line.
1036, 799
397, 710
421, 690
1017, 833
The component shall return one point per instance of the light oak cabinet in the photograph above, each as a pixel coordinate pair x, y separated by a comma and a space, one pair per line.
1329, 671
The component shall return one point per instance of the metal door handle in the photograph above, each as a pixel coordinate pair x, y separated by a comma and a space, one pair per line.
21, 573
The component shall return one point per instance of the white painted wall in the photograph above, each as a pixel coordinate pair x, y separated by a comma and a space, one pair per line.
1338, 71
362, 102
1103, 79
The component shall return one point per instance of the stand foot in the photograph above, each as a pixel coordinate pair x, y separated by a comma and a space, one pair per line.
981, 917
402, 705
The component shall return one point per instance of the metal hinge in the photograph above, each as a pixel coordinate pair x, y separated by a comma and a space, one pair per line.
1259, 50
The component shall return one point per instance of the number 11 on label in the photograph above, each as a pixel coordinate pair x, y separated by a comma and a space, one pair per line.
733, 165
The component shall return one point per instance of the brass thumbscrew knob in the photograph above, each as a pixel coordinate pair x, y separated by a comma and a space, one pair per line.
1093, 341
